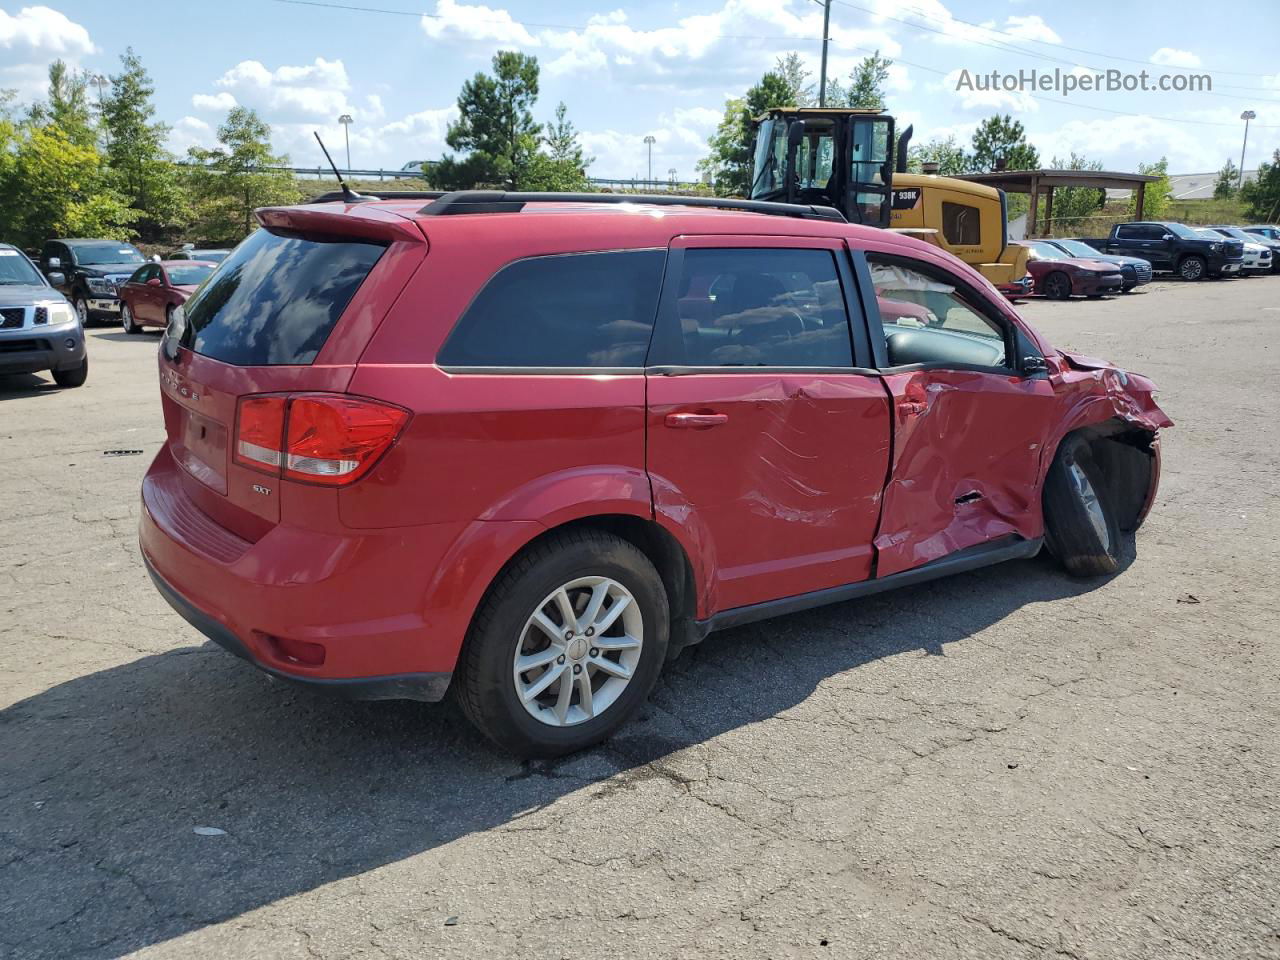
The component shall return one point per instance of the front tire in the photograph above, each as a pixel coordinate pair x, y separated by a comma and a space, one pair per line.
82, 310
126, 320
1081, 527
1057, 286
566, 645
75, 377
1192, 268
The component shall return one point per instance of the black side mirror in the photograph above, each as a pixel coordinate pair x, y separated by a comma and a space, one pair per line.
795, 134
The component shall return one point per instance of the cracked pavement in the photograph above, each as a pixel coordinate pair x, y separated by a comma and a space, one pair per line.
1006, 764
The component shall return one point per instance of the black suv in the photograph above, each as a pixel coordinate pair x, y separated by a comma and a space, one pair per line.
90, 272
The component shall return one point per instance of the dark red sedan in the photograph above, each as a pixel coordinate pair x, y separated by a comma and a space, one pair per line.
149, 297
1058, 275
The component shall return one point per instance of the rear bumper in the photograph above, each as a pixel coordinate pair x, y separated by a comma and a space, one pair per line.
360, 595
1018, 288
407, 686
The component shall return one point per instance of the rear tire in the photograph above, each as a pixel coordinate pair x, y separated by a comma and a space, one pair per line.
499, 698
75, 377
1080, 524
1057, 286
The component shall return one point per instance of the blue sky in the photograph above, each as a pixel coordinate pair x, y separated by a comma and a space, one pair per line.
665, 68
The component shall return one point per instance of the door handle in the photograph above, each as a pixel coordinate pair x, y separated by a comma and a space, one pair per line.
911, 408
695, 421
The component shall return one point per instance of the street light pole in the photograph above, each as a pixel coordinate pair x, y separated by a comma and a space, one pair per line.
346, 122
826, 37
1246, 117
649, 141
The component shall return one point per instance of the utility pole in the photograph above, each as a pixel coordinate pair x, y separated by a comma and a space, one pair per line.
346, 122
649, 141
1246, 117
826, 38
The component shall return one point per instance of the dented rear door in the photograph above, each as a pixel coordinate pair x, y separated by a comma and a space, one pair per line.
767, 444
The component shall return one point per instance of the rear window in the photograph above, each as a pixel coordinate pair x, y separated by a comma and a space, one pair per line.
568, 311
276, 298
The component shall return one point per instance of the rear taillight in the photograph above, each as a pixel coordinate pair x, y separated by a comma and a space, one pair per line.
260, 432
322, 438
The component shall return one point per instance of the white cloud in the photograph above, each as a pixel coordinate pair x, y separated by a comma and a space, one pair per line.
1031, 28
221, 101
1121, 143
42, 31
1171, 57
454, 20
33, 38
190, 132
310, 92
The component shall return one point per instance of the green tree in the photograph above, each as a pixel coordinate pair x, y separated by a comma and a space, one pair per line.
1224, 188
1003, 138
948, 154
234, 178
866, 83
798, 79
1262, 195
1073, 204
495, 127
141, 169
563, 166
67, 106
57, 187
1156, 196
730, 160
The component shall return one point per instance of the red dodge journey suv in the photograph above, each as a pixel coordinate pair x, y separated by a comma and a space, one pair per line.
526, 447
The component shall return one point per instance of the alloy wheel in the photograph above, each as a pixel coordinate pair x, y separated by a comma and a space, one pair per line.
578, 651
1092, 505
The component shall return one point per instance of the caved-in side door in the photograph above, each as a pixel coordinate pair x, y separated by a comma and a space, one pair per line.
971, 412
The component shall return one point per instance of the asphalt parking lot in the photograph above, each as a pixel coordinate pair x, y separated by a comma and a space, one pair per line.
1006, 764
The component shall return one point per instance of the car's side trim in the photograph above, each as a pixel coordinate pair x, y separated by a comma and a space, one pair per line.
982, 555
403, 686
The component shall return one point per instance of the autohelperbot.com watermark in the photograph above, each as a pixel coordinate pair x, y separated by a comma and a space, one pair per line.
1067, 82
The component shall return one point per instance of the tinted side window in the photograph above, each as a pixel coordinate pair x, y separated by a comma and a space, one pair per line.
1127, 232
961, 224
761, 308
573, 310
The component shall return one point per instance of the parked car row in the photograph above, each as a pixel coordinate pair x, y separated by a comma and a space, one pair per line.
90, 272
1134, 252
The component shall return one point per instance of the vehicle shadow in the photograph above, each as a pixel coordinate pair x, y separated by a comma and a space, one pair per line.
16, 385
147, 333
105, 776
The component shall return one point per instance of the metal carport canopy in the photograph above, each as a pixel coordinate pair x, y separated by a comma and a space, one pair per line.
1033, 181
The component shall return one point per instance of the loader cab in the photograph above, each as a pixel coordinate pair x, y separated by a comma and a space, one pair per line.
833, 158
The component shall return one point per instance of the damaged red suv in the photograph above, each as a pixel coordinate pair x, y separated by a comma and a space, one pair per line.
525, 448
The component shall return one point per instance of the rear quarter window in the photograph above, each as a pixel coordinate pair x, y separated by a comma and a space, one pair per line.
567, 311
276, 298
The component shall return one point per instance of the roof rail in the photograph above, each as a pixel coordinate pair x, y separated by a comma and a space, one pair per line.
500, 201
337, 195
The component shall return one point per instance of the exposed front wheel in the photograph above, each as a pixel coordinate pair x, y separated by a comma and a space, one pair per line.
126, 319
82, 310
74, 377
567, 644
1057, 286
1192, 268
1080, 523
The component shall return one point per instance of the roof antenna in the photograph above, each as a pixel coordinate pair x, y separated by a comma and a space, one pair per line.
348, 195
